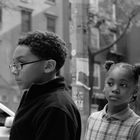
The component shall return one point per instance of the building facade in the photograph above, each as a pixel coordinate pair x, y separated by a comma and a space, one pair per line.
21, 16
85, 35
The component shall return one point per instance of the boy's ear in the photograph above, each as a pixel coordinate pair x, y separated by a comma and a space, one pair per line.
49, 66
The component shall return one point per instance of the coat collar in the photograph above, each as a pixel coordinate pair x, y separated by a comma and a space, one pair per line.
37, 90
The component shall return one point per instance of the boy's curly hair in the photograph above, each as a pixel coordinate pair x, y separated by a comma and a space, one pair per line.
45, 45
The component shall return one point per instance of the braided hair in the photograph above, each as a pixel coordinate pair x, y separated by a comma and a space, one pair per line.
134, 70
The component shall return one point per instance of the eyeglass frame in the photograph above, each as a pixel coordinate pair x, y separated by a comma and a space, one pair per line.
13, 66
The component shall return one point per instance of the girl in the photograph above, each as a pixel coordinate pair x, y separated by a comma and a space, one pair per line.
117, 121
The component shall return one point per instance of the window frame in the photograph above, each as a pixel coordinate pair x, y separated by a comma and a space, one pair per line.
4, 98
51, 17
23, 21
1, 16
52, 1
26, 1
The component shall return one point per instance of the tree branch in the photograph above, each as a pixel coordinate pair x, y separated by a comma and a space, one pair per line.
111, 45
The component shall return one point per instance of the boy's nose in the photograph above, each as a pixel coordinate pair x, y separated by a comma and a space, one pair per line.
14, 72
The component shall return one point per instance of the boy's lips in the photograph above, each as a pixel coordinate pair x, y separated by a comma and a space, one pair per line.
18, 81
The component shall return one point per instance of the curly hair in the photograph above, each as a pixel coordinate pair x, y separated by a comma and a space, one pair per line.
134, 70
45, 45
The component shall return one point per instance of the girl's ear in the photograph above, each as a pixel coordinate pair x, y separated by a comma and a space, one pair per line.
49, 66
134, 95
136, 89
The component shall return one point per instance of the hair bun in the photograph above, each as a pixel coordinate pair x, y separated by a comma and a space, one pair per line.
137, 68
108, 64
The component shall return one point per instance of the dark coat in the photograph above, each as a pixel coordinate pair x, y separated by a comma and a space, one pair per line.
47, 112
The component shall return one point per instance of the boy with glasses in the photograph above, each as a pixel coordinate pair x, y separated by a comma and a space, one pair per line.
46, 110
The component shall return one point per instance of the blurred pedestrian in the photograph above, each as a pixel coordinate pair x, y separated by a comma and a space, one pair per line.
117, 121
46, 110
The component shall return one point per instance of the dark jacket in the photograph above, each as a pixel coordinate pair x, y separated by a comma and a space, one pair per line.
47, 112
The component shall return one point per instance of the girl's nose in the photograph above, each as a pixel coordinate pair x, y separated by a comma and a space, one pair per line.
115, 89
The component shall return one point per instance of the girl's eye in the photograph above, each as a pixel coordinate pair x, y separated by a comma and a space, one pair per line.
110, 84
123, 85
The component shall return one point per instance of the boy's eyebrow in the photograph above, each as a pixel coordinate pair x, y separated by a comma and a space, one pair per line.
17, 58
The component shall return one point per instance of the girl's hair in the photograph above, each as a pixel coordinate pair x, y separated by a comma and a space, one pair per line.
134, 70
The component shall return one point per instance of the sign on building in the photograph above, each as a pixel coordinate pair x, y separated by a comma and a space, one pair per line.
93, 6
82, 73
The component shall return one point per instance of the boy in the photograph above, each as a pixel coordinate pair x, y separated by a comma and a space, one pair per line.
46, 110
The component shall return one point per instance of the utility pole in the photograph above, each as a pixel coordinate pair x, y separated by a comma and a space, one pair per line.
92, 53
91, 70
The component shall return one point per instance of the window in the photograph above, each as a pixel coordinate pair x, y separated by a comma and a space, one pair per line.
0, 17
94, 6
26, 21
26, 1
51, 0
16, 98
95, 38
51, 23
96, 76
70, 12
3, 98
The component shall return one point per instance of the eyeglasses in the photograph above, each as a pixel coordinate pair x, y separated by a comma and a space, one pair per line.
18, 66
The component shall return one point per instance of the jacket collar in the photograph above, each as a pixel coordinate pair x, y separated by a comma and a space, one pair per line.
37, 90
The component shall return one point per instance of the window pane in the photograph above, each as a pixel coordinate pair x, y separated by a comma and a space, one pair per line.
26, 21
52, 0
26, 1
0, 17
95, 38
3, 98
51, 23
